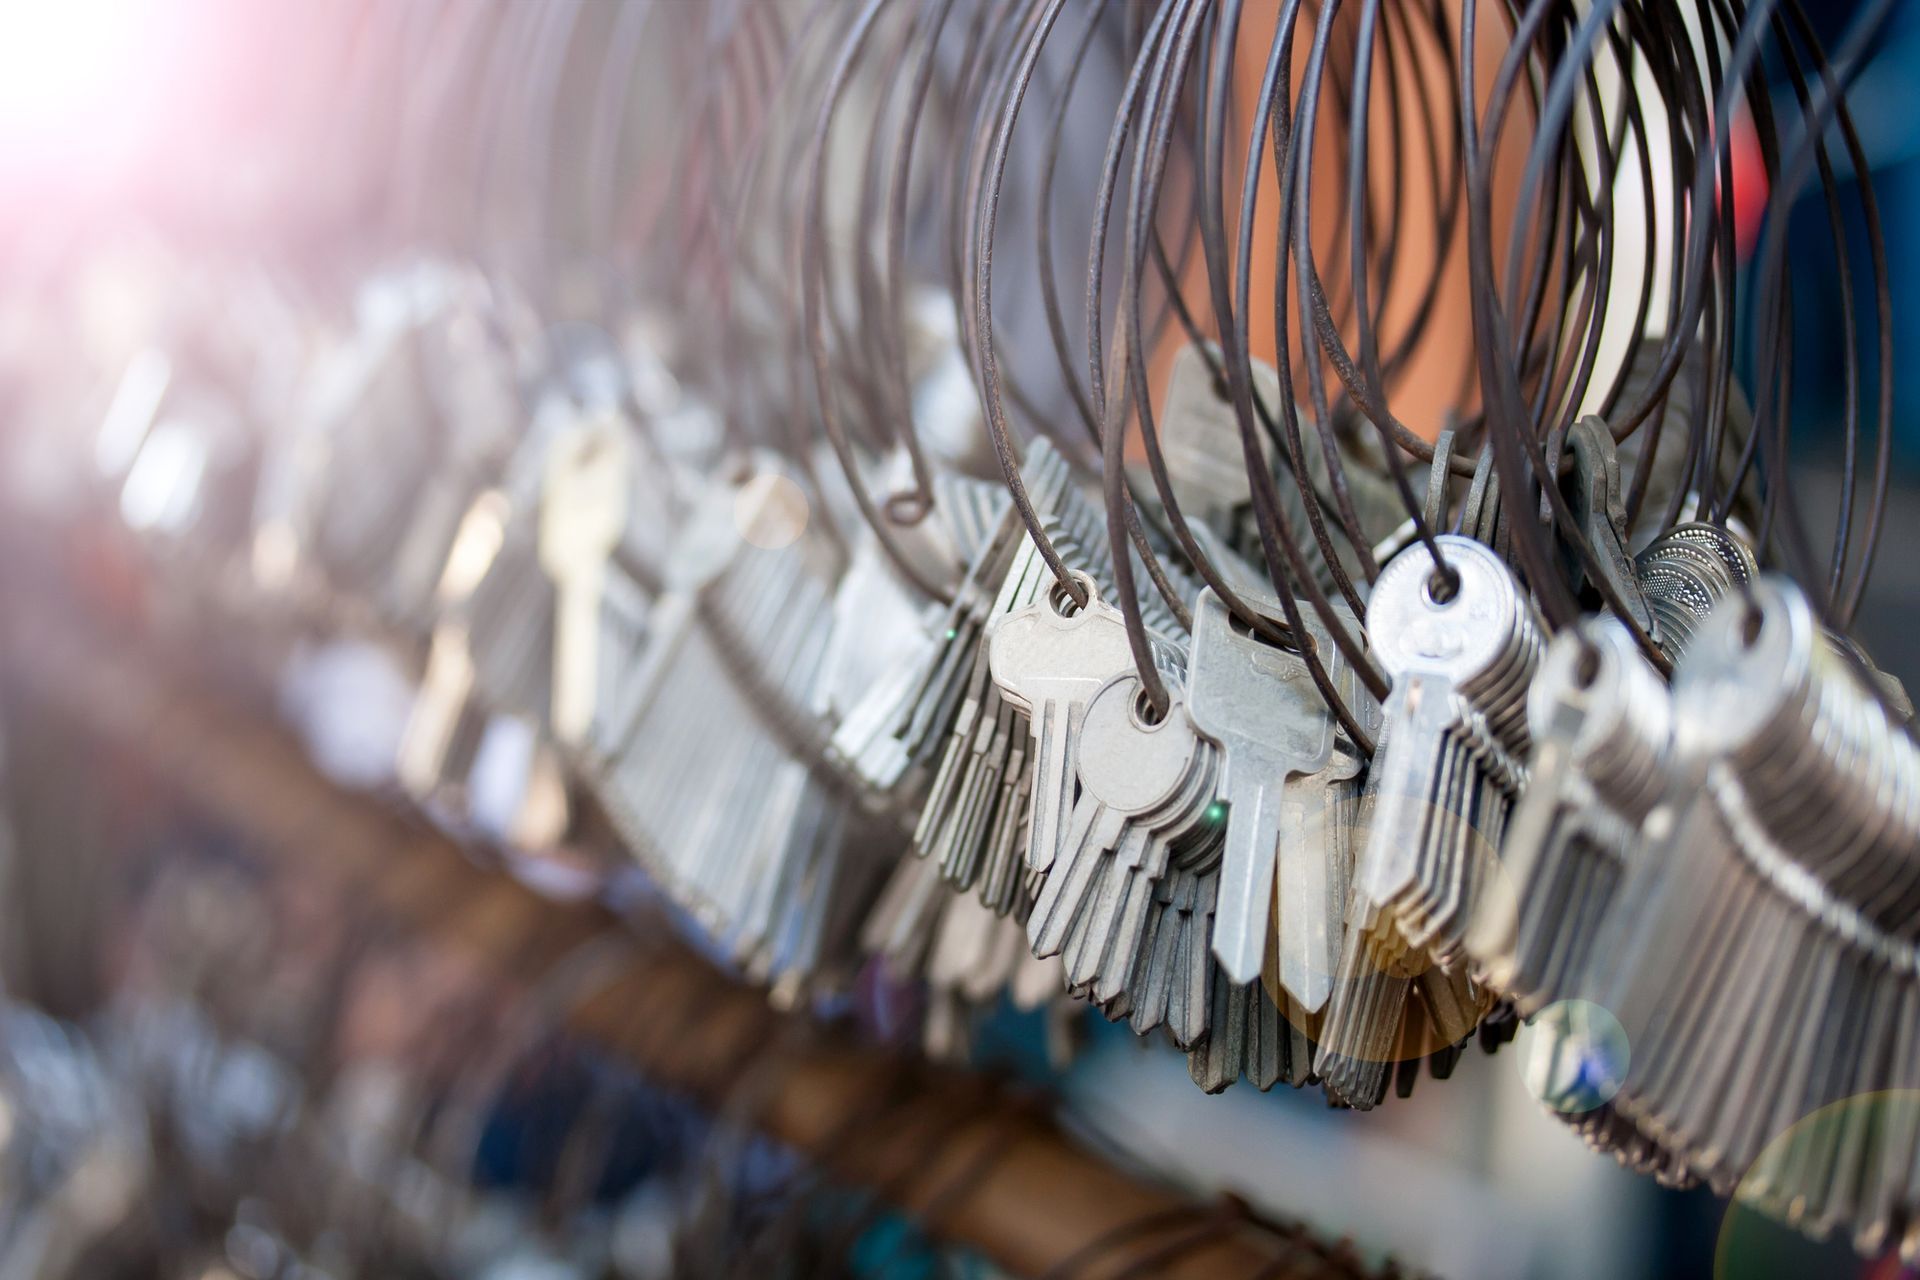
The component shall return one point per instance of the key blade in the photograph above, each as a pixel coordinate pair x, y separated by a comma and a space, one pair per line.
1307, 906
1246, 879
1052, 785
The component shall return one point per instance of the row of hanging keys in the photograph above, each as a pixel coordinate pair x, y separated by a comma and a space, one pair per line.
823, 768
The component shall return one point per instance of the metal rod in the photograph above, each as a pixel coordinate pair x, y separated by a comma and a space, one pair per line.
1007, 1182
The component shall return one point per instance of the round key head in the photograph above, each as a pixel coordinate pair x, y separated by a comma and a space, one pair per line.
1748, 665
1733, 556
1419, 622
1131, 760
583, 506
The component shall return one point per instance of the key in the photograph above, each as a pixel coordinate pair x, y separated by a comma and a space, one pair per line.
1602, 724
1200, 440
443, 726
1310, 893
583, 509
1260, 705
1047, 659
1449, 762
1760, 952
1131, 769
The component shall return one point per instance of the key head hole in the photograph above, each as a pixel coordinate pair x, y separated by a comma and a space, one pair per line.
1144, 715
1586, 667
1442, 586
1281, 638
1752, 623
908, 507
1061, 600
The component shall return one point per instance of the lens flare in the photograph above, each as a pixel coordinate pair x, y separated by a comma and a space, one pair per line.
1573, 1056
67, 69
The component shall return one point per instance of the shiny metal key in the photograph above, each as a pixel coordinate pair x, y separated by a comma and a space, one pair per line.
1259, 703
1602, 726
1048, 659
1129, 768
583, 511
1452, 755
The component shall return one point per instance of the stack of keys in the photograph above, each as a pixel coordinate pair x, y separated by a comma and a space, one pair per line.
1247, 1034
1047, 660
995, 750
1762, 958
978, 807
891, 738
1146, 785
1602, 724
1461, 644
1685, 572
1390, 1010
1173, 969
1461, 650
1602, 728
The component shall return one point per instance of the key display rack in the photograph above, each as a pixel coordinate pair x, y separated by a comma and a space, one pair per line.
1060, 638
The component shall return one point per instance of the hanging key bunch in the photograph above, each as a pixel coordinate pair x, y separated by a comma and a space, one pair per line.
1277, 522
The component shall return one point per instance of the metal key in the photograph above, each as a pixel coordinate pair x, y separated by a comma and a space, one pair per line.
1259, 703
583, 511
1601, 722
1129, 770
1048, 659
1449, 763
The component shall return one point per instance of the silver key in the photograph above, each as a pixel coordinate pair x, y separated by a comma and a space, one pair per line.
1259, 703
1602, 725
1048, 659
1450, 759
1130, 771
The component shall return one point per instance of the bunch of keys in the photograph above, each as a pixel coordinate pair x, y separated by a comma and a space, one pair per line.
1461, 644
1047, 660
1602, 727
1761, 957
1249, 1034
1392, 1009
979, 803
1146, 789
1684, 573
893, 736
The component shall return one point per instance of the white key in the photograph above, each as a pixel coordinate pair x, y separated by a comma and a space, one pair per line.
583, 511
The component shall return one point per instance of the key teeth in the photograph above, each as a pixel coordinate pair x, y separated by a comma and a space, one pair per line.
1355, 1082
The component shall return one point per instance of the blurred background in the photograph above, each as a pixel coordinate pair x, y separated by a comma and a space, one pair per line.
215, 1062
